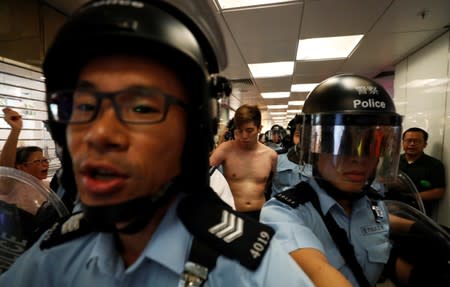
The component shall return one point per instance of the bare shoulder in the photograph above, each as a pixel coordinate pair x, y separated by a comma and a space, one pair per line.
227, 144
219, 154
223, 147
268, 150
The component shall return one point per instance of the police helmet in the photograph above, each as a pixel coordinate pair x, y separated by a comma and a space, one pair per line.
183, 34
292, 126
352, 116
267, 138
278, 130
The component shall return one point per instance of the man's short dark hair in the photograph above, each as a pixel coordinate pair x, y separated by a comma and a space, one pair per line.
247, 114
425, 134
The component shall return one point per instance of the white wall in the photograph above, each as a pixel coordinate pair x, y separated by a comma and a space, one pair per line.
422, 96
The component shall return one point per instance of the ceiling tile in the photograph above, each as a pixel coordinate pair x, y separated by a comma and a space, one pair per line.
258, 31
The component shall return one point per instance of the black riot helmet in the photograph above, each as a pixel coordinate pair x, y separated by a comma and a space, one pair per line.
350, 116
278, 130
182, 34
292, 126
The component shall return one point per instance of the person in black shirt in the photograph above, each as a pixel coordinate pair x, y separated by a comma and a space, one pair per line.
427, 173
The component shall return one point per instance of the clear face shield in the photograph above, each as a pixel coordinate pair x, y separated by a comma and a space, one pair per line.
350, 153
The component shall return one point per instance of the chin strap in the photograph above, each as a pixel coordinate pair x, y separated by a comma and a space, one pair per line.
137, 212
340, 194
294, 155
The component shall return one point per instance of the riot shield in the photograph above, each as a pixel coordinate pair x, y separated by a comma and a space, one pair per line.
404, 190
27, 209
421, 242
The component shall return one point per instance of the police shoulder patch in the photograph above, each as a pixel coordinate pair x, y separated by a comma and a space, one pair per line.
297, 195
65, 230
221, 228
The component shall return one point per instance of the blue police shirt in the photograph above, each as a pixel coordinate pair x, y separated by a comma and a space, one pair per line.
287, 175
92, 260
301, 227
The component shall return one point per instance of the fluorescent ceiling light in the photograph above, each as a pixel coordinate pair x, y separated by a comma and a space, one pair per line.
296, 103
275, 95
230, 4
327, 48
278, 113
271, 70
294, 111
278, 118
303, 87
273, 107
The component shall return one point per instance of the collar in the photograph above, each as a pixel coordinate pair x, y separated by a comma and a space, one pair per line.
170, 233
327, 202
420, 157
284, 163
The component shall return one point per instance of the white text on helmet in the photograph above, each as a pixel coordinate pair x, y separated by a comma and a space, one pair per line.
135, 4
367, 90
369, 103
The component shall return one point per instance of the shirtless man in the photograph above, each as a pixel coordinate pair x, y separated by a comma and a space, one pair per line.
248, 165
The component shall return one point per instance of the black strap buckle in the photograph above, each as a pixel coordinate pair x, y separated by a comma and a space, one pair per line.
193, 275
377, 212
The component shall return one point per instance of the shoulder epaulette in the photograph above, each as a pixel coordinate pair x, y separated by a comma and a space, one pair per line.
297, 195
224, 230
67, 229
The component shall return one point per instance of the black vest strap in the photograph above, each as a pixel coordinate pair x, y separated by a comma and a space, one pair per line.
346, 249
222, 232
303, 193
202, 260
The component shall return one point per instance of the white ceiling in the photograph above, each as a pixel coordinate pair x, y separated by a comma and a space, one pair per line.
393, 29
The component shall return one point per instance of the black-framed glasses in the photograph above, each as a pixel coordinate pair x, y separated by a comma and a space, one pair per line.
38, 161
137, 105
413, 141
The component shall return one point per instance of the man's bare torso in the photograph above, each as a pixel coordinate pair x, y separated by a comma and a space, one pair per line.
247, 172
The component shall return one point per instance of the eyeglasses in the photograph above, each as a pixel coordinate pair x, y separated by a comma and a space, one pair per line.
136, 105
40, 161
412, 141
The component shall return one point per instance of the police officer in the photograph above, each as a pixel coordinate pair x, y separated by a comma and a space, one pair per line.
277, 135
288, 168
119, 74
354, 136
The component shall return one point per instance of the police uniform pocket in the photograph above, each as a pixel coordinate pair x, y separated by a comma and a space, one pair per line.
379, 253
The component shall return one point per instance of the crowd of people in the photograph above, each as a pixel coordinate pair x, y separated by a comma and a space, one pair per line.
173, 208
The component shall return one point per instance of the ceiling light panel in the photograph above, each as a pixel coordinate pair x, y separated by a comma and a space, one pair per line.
303, 88
231, 4
274, 107
278, 113
296, 103
272, 70
328, 48
275, 95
